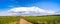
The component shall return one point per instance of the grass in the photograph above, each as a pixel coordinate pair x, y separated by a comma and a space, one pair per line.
33, 19
7, 19
48, 19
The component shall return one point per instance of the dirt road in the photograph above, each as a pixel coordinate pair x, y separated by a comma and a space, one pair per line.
23, 21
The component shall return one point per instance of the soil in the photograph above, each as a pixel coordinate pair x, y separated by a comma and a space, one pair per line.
23, 21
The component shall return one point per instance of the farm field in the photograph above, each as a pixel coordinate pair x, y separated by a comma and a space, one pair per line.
9, 19
33, 19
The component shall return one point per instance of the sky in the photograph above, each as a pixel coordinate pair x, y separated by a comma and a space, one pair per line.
36, 7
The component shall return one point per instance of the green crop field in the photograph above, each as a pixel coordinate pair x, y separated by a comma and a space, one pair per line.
8, 19
33, 19
43, 19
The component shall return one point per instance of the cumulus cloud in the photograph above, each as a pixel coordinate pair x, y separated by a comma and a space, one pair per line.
27, 11
5, 13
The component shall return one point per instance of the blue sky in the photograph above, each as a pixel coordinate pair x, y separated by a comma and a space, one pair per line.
4, 4
44, 4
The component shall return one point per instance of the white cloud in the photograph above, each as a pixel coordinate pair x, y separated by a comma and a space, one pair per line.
5, 13
27, 11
